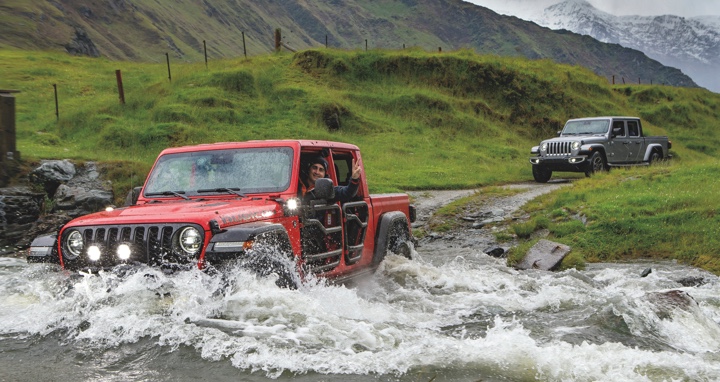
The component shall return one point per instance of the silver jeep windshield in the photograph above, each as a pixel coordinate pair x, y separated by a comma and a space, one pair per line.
592, 126
238, 171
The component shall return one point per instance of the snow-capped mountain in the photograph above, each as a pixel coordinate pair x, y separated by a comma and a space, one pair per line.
690, 44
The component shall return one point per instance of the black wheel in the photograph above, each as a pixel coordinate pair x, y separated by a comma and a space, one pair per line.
596, 164
398, 242
541, 174
271, 255
655, 157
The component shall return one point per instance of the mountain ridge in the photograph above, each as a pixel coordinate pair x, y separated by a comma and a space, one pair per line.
690, 44
146, 31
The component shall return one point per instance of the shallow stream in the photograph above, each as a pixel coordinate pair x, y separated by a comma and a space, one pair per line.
449, 315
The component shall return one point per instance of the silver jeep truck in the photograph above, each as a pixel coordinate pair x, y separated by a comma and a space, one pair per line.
595, 144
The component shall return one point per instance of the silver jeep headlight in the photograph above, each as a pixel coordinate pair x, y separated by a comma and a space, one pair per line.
543, 146
75, 244
575, 145
190, 240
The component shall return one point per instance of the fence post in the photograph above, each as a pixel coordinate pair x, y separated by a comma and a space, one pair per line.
613, 79
326, 42
278, 39
57, 109
366, 45
167, 57
205, 50
121, 92
244, 50
440, 49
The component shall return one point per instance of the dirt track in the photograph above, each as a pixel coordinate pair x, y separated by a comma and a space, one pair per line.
427, 202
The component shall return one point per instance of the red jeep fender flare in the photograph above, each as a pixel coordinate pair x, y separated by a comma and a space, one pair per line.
382, 237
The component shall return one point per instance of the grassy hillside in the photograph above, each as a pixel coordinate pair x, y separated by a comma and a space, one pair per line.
423, 120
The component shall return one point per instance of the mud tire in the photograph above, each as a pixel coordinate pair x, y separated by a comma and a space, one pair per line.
271, 255
541, 174
399, 242
596, 164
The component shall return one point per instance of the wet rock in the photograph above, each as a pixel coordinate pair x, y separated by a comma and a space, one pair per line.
495, 252
545, 255
51, 174
478, 225
77, 201
666, 302
691, 281
70, 191
646, 272
47, 224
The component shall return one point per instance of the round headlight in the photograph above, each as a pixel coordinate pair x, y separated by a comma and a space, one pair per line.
74, 243
543, 147
575, 145
190, 240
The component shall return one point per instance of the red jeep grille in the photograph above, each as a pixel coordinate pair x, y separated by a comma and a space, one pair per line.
149, 244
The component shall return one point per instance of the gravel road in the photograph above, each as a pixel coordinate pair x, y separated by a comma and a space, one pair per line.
477, 238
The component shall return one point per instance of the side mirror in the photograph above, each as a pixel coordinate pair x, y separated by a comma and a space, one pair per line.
616, 131
324, 189
132, 196
559, 133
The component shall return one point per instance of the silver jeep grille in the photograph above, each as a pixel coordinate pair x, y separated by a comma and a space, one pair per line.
558, 148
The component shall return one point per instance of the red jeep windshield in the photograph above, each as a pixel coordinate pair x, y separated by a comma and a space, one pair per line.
255, 170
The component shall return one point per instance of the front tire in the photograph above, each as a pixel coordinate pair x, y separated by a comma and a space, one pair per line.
398, 242
541, 174
272, 255
596, 164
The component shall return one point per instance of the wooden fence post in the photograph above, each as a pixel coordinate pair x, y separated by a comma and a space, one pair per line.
244, 50
278, 39
205, 50
121, 92
167, 57
57, 108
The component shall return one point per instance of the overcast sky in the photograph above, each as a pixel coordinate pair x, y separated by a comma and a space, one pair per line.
526, 9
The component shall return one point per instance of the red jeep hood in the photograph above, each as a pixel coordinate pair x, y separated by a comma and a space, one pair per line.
225, 212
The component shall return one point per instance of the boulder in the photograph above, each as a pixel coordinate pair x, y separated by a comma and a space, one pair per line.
545, 255
52, 173
78, 201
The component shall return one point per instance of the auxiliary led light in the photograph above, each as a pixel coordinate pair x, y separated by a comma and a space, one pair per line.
123, 251
292, 204
93, 253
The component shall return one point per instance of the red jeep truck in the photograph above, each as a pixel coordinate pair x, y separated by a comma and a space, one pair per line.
210, 204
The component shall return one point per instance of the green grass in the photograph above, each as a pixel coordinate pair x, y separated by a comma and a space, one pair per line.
422, 120
662, 212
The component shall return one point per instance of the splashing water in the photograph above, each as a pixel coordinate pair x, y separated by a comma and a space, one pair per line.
443, 316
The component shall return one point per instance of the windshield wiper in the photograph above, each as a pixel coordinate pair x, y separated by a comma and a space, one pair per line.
233, 190
168, 193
